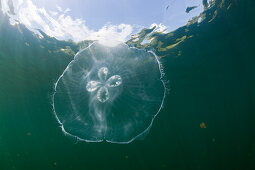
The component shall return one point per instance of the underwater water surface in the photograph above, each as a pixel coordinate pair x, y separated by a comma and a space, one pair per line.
206, 122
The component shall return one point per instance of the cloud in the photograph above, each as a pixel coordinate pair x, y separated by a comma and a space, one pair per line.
67, 10
53, 13
62, 26
112, 34
59, 8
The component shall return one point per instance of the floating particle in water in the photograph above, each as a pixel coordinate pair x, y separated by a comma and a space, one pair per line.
109, 93
203, 125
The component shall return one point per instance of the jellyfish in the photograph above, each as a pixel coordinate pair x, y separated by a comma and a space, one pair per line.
109, 94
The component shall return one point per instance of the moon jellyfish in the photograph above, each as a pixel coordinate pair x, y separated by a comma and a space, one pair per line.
109, 93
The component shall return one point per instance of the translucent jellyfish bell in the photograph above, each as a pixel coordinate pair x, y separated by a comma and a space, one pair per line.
109, 93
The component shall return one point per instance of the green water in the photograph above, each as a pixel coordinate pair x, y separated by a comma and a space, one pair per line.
211, 79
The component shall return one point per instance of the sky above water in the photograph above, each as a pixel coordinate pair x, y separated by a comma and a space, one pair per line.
100, 19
